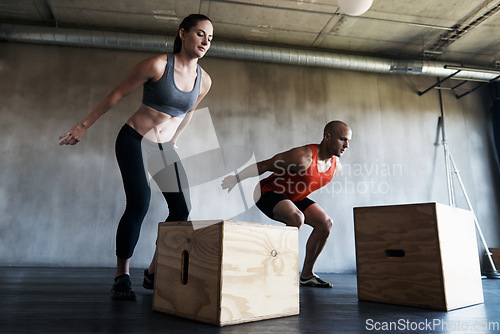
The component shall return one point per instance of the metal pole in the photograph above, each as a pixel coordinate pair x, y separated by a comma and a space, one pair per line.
494, 273
451, 196
449, 181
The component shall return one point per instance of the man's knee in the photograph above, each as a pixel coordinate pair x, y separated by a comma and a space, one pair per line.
295, 218
325, 225
329, 224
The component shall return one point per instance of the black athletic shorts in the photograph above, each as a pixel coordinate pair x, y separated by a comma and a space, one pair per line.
268, 201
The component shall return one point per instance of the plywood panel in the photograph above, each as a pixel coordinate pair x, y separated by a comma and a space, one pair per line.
412, 279
422, 255
460, 258
226, 272
259, 272
495, 254
199, 297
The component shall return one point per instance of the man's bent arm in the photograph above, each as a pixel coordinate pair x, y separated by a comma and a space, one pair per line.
295, 160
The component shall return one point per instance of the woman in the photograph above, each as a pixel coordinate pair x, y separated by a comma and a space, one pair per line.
174, 85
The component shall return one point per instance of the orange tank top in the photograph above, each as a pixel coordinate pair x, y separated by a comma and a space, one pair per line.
297, 186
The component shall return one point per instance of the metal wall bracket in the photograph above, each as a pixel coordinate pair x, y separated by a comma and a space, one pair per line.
459, 87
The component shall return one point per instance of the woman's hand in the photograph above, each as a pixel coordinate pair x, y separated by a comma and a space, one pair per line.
73, 136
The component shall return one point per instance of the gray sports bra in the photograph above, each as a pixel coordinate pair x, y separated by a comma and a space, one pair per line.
163, 95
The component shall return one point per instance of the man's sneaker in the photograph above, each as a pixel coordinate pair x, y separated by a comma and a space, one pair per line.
314, 281
149, 280
122, 289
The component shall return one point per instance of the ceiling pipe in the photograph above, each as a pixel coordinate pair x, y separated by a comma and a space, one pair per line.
281, 55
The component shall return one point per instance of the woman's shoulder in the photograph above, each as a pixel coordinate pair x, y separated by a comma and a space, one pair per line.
205, 75
153, 67
159, 61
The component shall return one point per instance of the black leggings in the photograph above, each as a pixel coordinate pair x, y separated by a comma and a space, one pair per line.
136, 158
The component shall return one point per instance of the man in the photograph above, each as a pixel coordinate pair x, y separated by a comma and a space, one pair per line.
296, 174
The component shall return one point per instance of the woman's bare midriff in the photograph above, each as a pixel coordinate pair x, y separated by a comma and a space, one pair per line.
154, 125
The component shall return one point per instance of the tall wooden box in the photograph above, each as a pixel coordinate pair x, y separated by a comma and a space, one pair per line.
422, 255
226, 272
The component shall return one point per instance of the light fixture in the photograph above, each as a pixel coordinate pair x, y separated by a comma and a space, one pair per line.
432, 53
471, 69
354, 7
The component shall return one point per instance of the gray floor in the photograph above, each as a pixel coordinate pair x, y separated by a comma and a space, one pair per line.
76, 300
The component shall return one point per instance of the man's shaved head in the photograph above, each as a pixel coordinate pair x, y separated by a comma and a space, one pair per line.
334, 127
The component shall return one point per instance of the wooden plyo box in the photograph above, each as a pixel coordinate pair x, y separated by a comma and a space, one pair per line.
423, 255
495, 255
226, 272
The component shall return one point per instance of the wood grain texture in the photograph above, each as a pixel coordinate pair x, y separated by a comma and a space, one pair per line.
259, 272
199, 298
238, 272
434, 262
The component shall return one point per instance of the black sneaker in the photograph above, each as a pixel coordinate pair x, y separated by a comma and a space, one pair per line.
122, 289
149, 280
315, 282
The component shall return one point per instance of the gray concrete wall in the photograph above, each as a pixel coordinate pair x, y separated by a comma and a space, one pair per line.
60, 205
